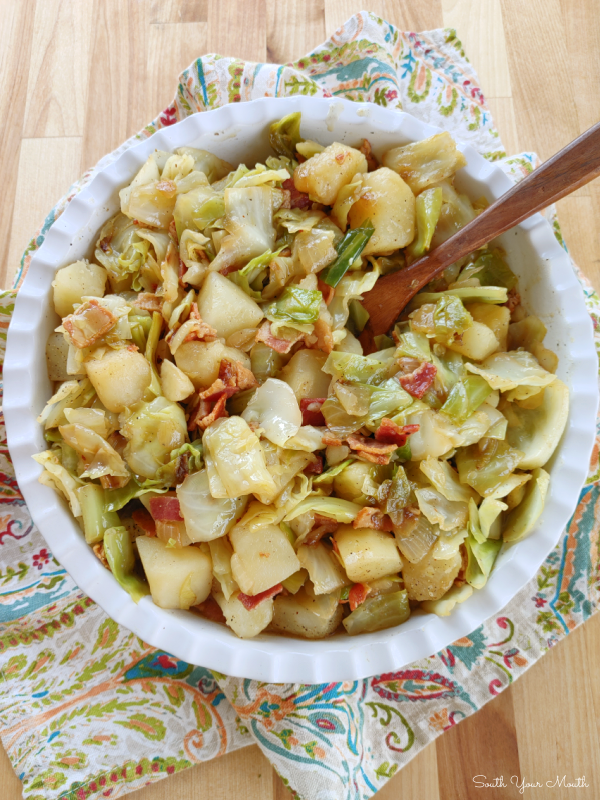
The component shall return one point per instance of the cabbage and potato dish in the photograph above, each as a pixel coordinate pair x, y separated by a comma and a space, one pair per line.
221, 437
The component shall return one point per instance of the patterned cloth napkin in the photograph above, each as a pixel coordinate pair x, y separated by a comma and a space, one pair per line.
88, 710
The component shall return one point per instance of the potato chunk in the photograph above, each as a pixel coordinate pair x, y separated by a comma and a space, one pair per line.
304, 373
245, 623
226, 307
179, 577
367, 554
391, 206
430, 578
175, 384
302, 615
497, 318
57, 351
477, 342
120, 378
426, 162
75, 281
262, 558
200, 360
323, 175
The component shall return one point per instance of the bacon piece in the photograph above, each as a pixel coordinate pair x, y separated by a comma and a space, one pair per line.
173, 229
145, 521
514, 299
217, 412
391, 433
88, 324
297, 199
418, 382
373, 518
205, 330
460, 579
112, 482
182, 469
99, 553
326, 290
366, 150
251, 601
233, 377
370, 449
331, 441
280, 345
287, 198
311, 410
211, 610
149, 302
322, 526
237, 374
358, 594
321, 338
165, 509
216, 389
199, 410
315, 467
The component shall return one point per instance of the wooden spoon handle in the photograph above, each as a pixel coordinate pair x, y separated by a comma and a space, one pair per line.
572, 167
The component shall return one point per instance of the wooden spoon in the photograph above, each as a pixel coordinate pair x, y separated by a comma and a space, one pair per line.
572, 167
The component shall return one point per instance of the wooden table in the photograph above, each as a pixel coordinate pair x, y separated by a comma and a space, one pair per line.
78, 77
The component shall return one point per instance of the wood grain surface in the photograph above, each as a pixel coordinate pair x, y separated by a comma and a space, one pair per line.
77, 77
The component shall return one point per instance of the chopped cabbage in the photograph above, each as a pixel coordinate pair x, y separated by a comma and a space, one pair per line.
429, 206
446, 481
153, 430
413, 345
248, 222
284, 135
536, 432
450, 318
490, 269
426, 162
506, 371
448, 514
98, 456
520, 521
275, 410
351, 287
481, 558
353, 367
487, 464
465, 397
335, 507
206, 517
323, 568
489, 517
238, 459
57, 477
295, 305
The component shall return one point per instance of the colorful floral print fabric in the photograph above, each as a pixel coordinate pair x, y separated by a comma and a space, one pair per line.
88, 710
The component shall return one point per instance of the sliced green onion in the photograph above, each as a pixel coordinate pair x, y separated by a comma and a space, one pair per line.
349, 249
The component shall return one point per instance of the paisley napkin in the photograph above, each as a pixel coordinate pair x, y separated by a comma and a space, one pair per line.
88, 710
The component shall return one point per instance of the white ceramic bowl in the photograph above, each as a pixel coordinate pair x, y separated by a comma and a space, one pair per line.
239, 133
